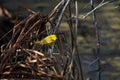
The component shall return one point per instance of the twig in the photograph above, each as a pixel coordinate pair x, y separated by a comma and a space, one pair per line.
98, 39
100, 5
76, 29
60, 14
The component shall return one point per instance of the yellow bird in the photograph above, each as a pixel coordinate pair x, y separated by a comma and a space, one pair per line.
48, 40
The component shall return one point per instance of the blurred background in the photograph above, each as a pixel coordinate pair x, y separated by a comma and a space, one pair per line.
108, 18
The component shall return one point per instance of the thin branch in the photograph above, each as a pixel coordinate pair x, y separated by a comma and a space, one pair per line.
98, 38
76, 29
60, 14
100, 5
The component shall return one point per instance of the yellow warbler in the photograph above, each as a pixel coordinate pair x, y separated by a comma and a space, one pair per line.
48, 40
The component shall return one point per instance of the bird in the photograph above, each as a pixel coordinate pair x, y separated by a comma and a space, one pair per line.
48, 40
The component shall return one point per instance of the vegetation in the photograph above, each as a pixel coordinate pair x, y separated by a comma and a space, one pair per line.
79, 32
